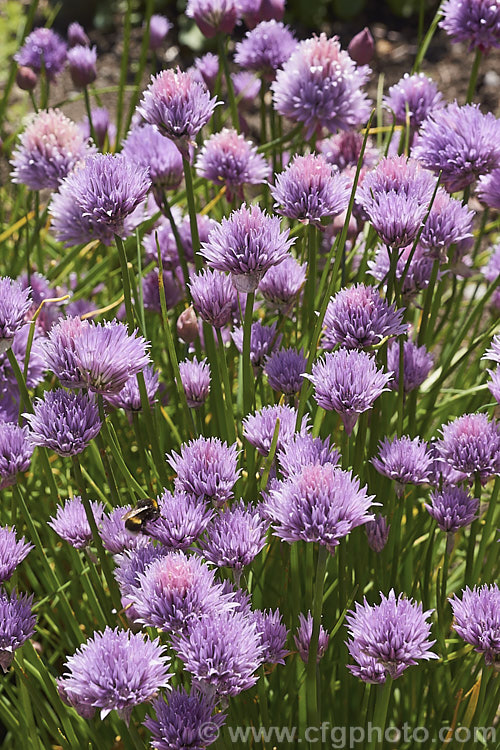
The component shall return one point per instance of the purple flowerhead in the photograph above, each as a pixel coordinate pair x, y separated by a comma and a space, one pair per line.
449, 221
415, 278
477, 620
71, 524
273, 635
309, 190
358, 317
362, 46
494, 383
377, 532
129, 565
82, 62
213, 16
247, 244
99, 200
176, 589
414, 96
184, 721
98, 356
15, 452
471, 445
206, 69
206, 468
103, 128
405, 461
284, 369
14, 305
43, 49
395, 633
36, 365
321, 86
179, 106
162, 235
64, 421
49, 148
146, 147
129, 397
321, 503
305, 450
221, 652
76, 35
195, 378
159, 26
343, 150
259, 428
476, 22
246, 88
303, 635
214, 296
348, 382
494, 352
17, 624
226, 158
396, 196
452, 508
461, 143
116, 538
417, 364
489, 189
205, 225
234, 537
266, 48
281, 284
12, 552
115, 669
263, 341
183, 518
256, 11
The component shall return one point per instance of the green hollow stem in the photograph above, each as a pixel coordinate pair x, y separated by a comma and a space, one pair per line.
69, 616
486, 532
312, 687
148, 418
193, 222
127, 291
248, 378
472, 535
224, 64
124, 67
263, 121
178, 242
101, 552
401, 390
89, 114
378, 724
132, 484
172, 355
221, 358
422, 337
471, 88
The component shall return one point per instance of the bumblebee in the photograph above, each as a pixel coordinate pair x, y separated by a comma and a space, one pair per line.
145, 510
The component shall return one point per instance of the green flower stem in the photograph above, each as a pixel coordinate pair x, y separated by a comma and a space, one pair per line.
486, 532
106, 430
49, 571
270, 458
224, 64
310, 289
422, 337
228, 401
172, 355
263, 122
108, 471
151, 431
25, 398
89, 114
216, 394
248, 377
136, 738
101, 552
474, 528
401, 391
424, 46
473, 76
178, 242
383, 696
143, 59
312, 686
286, 138
193, 222
127, 292
124, 68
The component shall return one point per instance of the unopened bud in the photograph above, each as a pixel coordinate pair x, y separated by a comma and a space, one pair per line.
187, 326
377, 532
361, 47
26, 78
